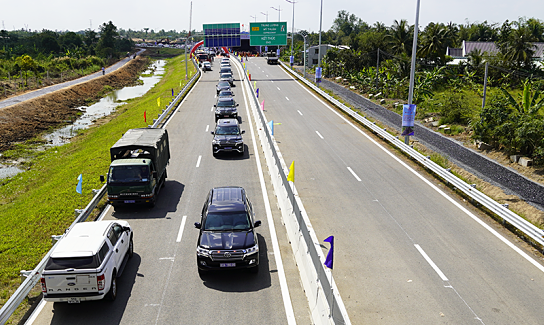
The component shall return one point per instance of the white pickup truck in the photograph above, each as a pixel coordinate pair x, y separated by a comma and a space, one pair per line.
87, 261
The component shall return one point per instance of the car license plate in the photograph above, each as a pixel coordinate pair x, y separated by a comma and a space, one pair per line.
74, 300
226, 115
228, 148
227, 264
130, 201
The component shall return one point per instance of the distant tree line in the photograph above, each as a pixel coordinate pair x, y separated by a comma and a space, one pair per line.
378, 61
49, 55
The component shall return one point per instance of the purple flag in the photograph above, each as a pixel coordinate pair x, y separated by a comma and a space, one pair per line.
329, 259
172, 92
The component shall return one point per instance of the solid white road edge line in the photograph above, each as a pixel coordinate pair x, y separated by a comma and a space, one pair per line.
353, 173
198, 161
180, 233
289, 312
447, 197
428, 259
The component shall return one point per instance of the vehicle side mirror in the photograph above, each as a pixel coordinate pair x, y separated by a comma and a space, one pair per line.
101, 178
243, 131
198, 225
237, 104
214, 105
127, 229
212, 133
257, 223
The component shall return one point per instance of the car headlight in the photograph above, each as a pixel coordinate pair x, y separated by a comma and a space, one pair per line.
113, 196
146, 195
200, 251
239, 141
214, 141
251, 250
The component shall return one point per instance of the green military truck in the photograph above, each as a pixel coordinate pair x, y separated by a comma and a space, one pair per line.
138, 167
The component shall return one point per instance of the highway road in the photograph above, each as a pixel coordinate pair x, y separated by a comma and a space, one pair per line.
160, 284
405, 251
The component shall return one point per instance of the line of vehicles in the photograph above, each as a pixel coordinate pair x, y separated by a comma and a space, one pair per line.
90, 256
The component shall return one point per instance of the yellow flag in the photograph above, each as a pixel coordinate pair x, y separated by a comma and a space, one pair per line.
159, 102
254, 84
291, 176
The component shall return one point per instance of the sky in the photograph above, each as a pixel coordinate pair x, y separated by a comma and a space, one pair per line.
61, 15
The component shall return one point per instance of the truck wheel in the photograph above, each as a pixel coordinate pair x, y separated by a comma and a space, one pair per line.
112, 294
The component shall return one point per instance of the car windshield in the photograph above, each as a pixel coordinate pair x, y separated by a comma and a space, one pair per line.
226, 75
227, 222
225, 103
223, 84
128, 174
227, 130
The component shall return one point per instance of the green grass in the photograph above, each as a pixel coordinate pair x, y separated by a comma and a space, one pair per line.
40, 202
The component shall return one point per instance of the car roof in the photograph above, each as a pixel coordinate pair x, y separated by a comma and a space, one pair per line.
225, 99
227, 199
84, 239
227, 122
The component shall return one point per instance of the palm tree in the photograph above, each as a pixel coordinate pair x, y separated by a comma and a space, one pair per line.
518, 47
400, 37
433, 40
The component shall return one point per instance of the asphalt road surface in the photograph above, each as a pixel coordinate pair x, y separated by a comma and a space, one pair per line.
160, 284
405, 252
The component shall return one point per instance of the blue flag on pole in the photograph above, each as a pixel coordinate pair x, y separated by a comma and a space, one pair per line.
330, 254
79, 187
271, 126
257, 92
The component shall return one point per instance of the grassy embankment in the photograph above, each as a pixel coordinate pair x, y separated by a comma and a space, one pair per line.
40, 202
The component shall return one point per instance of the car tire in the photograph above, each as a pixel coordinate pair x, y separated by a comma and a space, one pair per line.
112, 294
130, 252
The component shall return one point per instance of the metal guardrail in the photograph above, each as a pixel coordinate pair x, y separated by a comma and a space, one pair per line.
32, 277
503, 212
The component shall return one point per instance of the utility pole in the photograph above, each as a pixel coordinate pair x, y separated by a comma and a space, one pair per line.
485, 84
413, 68
292, 58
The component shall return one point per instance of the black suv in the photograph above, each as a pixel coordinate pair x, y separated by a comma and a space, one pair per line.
227, 136
227, 238
225, 108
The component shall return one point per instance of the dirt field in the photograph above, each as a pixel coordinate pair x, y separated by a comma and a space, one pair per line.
26, 120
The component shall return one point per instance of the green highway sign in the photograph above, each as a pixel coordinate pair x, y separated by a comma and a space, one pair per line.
265, 34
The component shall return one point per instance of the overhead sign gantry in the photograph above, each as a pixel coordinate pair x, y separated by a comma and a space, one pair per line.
268, 34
